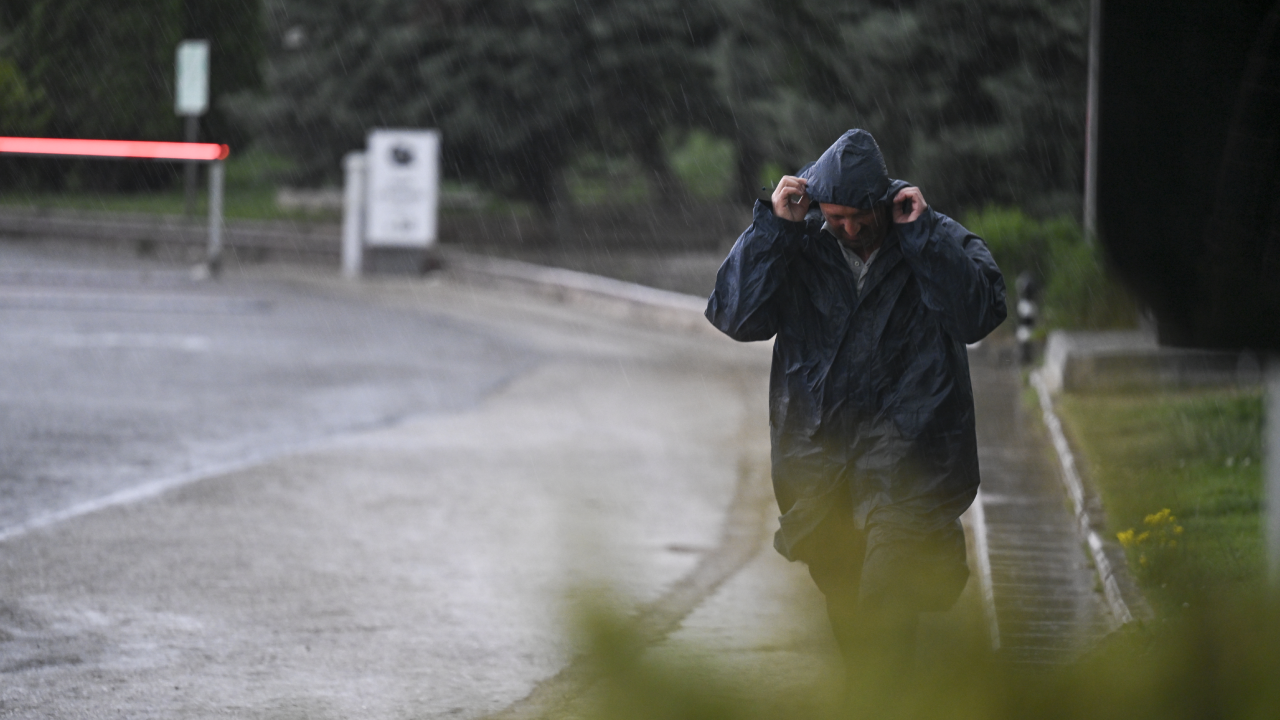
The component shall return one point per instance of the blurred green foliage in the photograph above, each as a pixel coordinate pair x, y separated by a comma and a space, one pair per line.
105, 69
1077, 290
1216, 660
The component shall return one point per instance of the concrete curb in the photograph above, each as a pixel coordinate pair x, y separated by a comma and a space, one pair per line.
1108, 559
1124, 359
615, 298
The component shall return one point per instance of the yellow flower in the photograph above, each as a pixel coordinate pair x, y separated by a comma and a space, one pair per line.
1177, 530
1146, 534
1126, 537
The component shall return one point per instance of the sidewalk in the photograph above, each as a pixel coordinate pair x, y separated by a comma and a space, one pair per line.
1047, 606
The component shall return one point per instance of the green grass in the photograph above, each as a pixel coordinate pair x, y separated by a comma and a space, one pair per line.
239, 203
1197, 453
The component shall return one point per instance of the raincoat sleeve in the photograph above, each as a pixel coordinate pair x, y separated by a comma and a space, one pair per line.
743, 304
959, 280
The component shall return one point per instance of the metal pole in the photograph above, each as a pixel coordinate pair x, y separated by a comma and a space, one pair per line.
189, 172
1091, 123
1271, 440
215, 217
353, 196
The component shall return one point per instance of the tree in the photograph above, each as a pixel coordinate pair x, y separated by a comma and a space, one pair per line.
979, 102
105, 70
650, 73
500, 78
517, 88
236, 33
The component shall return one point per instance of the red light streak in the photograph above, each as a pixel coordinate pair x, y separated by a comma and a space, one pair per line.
114, 148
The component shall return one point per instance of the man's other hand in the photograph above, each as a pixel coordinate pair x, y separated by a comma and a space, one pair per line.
790, 201
908, 205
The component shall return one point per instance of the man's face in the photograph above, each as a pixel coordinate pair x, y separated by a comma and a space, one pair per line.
853, 227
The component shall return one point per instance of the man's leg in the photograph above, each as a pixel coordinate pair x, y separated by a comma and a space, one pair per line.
905, 572
876, 583
834, 554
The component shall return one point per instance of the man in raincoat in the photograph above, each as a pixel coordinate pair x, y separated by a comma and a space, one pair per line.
871, 296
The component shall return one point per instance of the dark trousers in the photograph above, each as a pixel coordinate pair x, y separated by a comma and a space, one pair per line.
877, 581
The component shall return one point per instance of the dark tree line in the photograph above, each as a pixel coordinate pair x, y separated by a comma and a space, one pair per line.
978, 101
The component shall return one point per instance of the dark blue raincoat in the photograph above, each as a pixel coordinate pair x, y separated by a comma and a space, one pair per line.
870, 401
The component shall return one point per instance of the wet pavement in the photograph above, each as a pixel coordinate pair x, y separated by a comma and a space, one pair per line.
402, 534
1047, 604
423, 566
116, 371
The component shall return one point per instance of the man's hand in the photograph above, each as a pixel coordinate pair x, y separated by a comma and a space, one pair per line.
908, 205
790, 201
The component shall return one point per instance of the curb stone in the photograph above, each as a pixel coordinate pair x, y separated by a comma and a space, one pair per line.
616, 298
1124, 597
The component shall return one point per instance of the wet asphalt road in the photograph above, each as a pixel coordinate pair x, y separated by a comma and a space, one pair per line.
387, 494
116, 373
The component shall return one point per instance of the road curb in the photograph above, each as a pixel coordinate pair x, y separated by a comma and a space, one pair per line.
1124, 598
614, 298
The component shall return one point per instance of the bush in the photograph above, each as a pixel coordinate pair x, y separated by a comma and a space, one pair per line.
24, 110
1077, 292
1218, 660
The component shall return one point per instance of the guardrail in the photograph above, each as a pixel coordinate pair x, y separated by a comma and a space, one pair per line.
212, 153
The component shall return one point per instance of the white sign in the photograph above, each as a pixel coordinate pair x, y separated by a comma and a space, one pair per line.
403, 188
191, 96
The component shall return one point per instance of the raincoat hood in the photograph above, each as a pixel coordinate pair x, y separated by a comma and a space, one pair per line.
851, 172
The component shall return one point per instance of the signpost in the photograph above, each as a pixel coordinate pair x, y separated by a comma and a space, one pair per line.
391, 195
191, 100
403, 188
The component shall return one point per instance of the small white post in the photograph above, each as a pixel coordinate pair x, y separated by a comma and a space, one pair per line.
1271, 448
215, 217
353, 197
